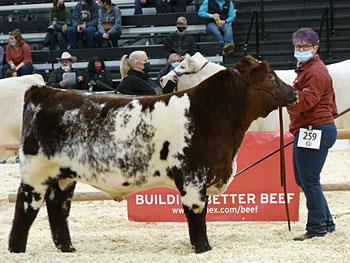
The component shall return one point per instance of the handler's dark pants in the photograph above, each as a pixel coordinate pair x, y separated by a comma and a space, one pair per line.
308, 164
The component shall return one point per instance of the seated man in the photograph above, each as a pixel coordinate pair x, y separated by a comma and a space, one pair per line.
158, 4
219, 15
179, 41
109, 24
73, 80
84, 24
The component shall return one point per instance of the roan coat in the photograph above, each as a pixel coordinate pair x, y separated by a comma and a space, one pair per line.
121, 144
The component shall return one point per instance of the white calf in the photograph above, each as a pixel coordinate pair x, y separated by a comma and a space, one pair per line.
11, 107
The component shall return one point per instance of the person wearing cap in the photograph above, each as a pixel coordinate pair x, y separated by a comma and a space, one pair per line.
135, 79
139, 4
84, 24
180, 41
219, 14
56, 76
18, 55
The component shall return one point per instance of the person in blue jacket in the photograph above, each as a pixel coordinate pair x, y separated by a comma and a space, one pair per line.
84, 24
219, 14
109, 24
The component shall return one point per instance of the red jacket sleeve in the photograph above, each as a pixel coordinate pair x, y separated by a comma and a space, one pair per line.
310, 94
8, 54
27, 54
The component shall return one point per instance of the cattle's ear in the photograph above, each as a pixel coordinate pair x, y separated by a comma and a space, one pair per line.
192, 64
187, 56
260, 72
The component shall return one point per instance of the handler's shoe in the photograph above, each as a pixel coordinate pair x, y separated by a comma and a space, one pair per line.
307, 235
229, 48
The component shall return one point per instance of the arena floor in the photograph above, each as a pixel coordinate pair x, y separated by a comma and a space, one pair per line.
101, 231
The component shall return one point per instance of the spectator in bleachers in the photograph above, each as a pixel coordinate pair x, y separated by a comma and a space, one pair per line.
97, 72
10, 73
1, 60
174, 6
219, 14
84, 24
109, 24
179, 41
18, 54
172, 62
135, 79
60, 18
139, 4
59, 79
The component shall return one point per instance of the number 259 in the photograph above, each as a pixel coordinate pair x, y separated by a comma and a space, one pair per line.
309, 136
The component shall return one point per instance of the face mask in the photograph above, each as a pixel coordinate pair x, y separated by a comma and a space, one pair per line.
147, 67
13, 44
175, 64
65, 68
98, 68
61, 6
303, 56
181, 29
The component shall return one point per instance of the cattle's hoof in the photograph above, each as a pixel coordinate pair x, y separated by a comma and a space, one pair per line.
16, 250
67, 249
202, 248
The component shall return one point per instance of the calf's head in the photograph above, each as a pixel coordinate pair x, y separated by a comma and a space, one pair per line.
189, 66
269, 90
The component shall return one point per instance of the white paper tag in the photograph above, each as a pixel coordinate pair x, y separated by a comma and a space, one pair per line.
309, 138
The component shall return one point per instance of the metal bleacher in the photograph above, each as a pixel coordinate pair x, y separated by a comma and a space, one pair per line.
140, 32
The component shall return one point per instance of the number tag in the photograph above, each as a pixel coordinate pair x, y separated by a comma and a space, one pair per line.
309, 138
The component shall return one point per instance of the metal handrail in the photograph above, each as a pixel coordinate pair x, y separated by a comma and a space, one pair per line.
325, 17
331, 11
262, 20
253, 18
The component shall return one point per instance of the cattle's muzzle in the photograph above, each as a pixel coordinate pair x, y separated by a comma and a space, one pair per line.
288, 95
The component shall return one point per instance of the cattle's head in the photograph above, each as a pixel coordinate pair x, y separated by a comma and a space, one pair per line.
271, 91
189, 67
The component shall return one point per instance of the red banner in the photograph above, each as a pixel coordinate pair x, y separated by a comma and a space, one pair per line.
255, 195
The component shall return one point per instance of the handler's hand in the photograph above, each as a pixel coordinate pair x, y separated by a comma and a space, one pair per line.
62, 83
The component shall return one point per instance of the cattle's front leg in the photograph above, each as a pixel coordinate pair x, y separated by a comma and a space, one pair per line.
27, 207
58, 205
197, 228
194, 201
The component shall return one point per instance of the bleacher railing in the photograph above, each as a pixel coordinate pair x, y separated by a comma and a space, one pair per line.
254, 18
325, 18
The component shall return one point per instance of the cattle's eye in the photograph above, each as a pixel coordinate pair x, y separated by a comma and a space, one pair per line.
271, 76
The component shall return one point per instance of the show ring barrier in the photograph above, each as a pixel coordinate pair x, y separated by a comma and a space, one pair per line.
100, 196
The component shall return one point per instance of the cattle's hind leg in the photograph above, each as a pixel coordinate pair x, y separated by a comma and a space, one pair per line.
58, 205
27, 207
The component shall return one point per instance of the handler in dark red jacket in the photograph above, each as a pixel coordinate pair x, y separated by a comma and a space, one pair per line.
312, 123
